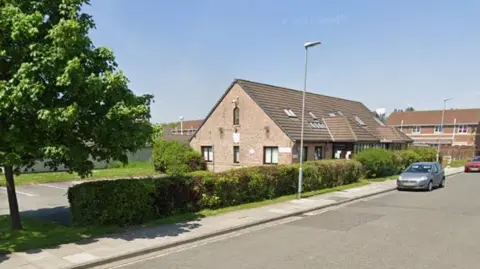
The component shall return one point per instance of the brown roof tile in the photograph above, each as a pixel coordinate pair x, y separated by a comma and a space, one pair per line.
432, 117
341, 127
189, 124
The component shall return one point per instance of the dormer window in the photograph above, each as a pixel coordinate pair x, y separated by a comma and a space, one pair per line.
236, 116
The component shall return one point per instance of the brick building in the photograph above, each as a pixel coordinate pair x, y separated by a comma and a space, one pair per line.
182, 132
460, 126
255, 123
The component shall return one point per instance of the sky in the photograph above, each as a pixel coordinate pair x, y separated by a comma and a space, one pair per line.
386, 54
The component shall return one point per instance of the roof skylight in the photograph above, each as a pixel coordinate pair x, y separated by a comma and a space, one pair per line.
290, 113
359, 121
317, 125
379, 121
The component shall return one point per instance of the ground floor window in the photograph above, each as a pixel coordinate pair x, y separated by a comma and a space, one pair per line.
207, 152
318, 153
236, 154
305, 154
359, 147
270, 155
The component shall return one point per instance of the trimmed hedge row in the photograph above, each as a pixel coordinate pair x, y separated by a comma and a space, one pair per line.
134, 201
381, 163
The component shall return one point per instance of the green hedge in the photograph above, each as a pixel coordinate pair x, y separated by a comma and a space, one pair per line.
134, 201
382, 163
174, 158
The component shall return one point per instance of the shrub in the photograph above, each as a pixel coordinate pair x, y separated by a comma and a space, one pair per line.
176, 195
133, 201
121, 202
175, 159
426, 154
377, 162
403, 158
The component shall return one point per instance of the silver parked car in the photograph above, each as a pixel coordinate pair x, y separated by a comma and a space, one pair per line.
422, 176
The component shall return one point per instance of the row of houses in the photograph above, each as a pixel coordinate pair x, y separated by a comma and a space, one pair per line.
255, 123
260, 124
460, 126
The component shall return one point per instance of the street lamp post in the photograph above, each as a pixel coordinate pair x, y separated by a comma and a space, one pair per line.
441, 127
181, 125
300, 169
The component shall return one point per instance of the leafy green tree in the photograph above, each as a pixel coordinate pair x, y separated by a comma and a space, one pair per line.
62, 100
157, 131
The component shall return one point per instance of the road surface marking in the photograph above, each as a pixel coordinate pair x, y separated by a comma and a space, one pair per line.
20, 192
53, 186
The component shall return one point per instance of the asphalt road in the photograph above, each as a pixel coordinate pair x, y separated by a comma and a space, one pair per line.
438, 230
45, 201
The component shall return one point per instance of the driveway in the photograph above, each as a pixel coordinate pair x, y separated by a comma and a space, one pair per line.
438, 230
46, 201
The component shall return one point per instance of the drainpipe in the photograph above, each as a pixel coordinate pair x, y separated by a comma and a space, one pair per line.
453, 135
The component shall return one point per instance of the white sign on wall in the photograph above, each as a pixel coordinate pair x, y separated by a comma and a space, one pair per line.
251, 151
236, 137
284, 150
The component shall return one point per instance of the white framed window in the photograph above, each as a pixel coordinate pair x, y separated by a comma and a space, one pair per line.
438, 129
462, 129
270, 155
379, 121
359, 121
290, 113
207, 152
416, 129
317, 125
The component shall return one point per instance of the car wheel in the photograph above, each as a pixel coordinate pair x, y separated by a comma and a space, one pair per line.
442, 184
430, 186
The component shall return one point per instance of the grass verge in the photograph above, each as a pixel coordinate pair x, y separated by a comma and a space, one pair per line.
133, 169
43, 234
458, 163
381, 179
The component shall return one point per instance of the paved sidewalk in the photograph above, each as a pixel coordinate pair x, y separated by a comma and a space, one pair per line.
112, 247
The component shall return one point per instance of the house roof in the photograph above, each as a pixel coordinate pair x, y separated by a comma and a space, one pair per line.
189, 127
434, 117
340, 120
188, 124
339, 115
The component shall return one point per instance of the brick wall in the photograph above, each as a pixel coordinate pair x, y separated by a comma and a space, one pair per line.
255, 130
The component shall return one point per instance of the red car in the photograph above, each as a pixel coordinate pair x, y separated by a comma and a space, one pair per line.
473, 165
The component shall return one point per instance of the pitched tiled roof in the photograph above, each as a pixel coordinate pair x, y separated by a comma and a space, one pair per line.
433, 117
180, 138
189, 124
340, 126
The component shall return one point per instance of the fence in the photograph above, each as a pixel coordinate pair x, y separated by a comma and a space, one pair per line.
142, 155
456, 152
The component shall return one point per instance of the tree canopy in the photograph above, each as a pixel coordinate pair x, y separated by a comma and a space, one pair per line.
62, 99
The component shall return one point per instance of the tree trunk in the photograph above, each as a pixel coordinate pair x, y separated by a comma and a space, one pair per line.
12, 199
